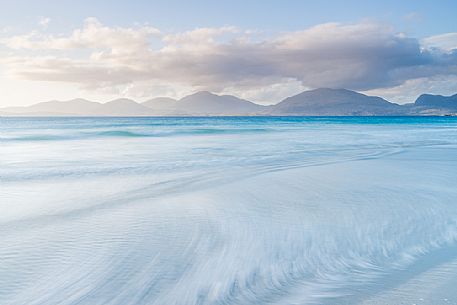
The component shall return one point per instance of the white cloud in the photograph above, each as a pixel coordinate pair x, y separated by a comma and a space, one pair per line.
44, 22
362, 56
446, 41
197, 39
93, 35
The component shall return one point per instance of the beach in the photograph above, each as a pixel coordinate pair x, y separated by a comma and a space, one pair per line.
236, 210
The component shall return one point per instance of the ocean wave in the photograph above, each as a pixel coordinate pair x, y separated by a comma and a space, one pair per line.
125, 134
322, 214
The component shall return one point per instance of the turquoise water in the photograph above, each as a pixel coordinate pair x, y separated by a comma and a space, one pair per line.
234, 210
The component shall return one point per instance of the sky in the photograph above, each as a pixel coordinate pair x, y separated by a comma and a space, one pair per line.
263, 51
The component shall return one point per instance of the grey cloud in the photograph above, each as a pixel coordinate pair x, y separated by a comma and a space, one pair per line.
362, 56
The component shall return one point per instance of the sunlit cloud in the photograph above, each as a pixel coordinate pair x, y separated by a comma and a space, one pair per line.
362, 56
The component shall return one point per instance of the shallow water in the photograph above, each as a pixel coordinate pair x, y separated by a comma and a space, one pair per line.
228, 210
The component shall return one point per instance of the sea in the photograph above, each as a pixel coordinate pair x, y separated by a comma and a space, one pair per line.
228, 210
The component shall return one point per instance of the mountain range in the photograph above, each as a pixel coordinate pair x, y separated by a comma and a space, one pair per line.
318, 102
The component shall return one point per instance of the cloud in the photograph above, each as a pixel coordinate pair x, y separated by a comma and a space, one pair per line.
447, 41
93, 35
408, 91
44, 22
196, 39
361, 56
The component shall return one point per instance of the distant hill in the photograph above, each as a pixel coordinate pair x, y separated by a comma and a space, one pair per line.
335, 102
206, 103
71, 107
203, 103
122, 107
161, 105
437, 101
318, 102
438, 104
198, 104
80, 107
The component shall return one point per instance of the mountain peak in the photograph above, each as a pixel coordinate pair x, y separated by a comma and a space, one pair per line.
121, 101
437, 101
207, 103
201, 94
78, 100
160, 99
161, 105
326, 89
316, 102
123, 107
328, 101
333, 92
